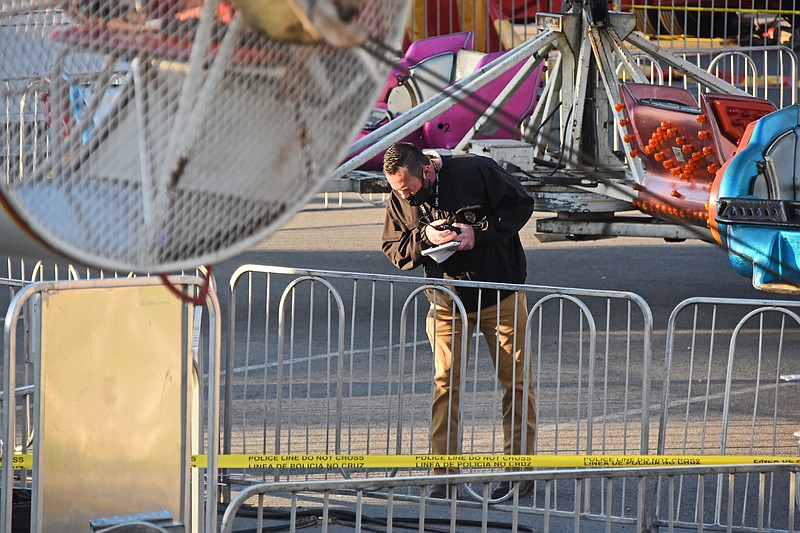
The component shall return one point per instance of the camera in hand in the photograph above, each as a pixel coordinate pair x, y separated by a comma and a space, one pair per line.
445, 227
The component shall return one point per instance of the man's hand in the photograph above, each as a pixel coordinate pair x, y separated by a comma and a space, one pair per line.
438, 237
467, 237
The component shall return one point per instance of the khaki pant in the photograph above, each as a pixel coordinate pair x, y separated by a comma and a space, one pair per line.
505, 337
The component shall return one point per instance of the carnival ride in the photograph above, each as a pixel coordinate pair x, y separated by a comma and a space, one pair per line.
451, 57
607, 138
158, 135
141, 136
121, 119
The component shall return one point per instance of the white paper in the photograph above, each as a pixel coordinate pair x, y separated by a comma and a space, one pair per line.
442, 252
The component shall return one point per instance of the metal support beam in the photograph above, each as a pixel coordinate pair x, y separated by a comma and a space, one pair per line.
380, 139
577, 110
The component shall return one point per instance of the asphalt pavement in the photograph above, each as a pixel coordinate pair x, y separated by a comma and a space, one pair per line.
348, 238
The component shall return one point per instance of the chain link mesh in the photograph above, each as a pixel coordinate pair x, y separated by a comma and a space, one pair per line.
162, 134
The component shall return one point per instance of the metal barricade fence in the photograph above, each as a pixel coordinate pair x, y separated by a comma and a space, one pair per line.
379, 506
728, 398
17, 274
768, 72
324, 362
500, 24
181, 334
15, 278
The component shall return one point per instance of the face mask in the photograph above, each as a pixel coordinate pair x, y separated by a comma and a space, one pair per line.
420, 197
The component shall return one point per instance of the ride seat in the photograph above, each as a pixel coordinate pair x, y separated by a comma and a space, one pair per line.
453, 124
433, 74
466, 63
782, 169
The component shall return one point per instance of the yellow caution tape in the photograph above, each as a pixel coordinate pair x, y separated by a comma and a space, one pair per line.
479, 461
21, 460
289, 461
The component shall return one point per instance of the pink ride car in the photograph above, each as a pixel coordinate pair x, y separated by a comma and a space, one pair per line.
430, 66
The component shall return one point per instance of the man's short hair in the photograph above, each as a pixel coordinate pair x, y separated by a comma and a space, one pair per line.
404, 155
